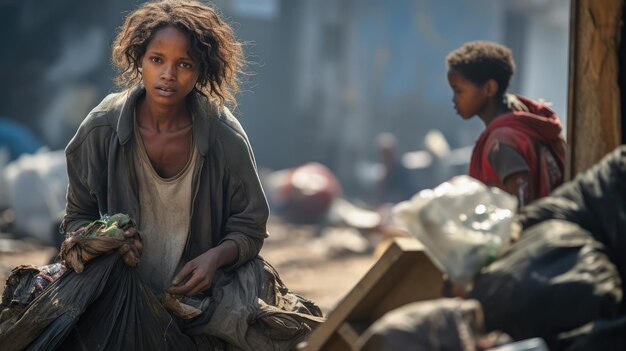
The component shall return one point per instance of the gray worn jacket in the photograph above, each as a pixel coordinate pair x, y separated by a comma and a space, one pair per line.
228, 202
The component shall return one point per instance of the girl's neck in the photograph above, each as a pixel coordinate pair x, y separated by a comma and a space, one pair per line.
160, 118
493, 111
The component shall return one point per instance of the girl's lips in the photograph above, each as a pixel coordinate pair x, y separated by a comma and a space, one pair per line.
165, 91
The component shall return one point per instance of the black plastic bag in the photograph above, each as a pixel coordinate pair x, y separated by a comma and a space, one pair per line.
605, 335
106, 307
555, 278
442, 324
596, 201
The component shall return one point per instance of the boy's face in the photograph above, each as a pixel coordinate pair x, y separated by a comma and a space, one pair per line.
469, 98
169, 73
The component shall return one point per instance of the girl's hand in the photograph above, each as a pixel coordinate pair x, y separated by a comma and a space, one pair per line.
131, 252
197, 275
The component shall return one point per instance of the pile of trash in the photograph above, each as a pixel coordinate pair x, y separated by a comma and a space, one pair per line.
554, 279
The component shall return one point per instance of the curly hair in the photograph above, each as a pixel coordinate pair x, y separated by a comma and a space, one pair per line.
480, 61
214, 47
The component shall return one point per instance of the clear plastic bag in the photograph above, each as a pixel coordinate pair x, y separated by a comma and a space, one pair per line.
463, 225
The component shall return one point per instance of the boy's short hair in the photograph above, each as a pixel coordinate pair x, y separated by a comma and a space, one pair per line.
479, 61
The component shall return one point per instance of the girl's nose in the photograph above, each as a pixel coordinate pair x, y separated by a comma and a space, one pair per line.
168, 73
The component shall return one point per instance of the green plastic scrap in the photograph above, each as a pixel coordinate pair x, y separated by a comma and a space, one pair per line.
111, 226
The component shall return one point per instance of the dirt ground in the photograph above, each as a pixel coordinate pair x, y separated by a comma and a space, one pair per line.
309, 264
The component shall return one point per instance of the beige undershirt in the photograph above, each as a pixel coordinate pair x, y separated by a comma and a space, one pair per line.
165, 207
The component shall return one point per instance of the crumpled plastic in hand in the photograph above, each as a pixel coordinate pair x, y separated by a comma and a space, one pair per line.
98, 237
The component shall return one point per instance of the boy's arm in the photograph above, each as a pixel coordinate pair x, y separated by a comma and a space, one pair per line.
518, 184
513, 171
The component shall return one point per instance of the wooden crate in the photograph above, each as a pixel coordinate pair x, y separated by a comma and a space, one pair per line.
402, 275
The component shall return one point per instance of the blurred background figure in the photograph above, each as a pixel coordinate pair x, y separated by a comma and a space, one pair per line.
396, 183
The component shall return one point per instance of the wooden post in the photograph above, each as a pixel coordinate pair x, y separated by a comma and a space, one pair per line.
594, 112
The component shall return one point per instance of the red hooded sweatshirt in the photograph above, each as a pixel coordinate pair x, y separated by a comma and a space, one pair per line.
536, 135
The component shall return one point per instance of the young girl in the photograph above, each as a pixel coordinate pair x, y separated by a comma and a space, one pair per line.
521, 150
167, 152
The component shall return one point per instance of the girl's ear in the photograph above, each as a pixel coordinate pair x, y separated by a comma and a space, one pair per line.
490, 87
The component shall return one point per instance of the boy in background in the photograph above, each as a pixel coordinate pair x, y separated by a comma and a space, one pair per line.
521, 150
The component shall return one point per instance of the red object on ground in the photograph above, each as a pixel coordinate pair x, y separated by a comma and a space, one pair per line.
308, 192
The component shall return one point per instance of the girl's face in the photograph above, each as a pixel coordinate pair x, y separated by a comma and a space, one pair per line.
469, 98
169, 73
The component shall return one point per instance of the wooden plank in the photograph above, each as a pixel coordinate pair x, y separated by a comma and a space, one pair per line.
336, 343
402, 275
420, 281
349, 334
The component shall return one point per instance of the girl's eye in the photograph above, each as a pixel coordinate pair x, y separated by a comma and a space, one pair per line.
155, 59
185, 65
